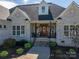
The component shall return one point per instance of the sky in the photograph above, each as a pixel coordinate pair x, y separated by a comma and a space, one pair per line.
63, 3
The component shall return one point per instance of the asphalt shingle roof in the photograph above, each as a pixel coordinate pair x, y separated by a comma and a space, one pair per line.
32, 10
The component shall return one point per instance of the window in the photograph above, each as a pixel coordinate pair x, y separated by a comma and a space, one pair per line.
72, 30
0, 26
18, 30
18, 27
66, 30
43, 9
4, 26
14, 30
77, 30
22, 30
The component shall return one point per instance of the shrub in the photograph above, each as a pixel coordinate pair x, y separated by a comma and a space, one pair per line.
72, 51
52, 44
9, 43
19, 50
21, 42
27, 45
4, 54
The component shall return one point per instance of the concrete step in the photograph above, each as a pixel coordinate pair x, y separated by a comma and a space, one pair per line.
41, 43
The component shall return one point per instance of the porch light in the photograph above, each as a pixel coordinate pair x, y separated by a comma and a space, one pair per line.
59, 18
9, 19
26, 19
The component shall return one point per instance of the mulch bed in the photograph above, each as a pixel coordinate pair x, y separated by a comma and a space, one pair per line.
12, 52
64, 49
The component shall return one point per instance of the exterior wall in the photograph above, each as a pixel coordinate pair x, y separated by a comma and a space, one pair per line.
18, 19
4, 32
69, 17
4, 13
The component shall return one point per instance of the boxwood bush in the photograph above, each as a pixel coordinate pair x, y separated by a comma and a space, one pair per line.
9, 43
52, 44
4, 54
27, 45
19, 50
72, 51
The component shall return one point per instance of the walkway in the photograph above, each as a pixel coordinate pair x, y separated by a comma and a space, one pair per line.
37, 52
42, 52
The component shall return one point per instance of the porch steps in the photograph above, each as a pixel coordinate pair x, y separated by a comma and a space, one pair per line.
41, 42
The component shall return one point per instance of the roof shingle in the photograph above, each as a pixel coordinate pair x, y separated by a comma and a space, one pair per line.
32, 10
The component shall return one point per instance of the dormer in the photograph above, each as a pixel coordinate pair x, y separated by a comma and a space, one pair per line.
43, 8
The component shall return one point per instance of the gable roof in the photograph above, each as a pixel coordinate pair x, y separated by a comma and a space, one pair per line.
71, 5
32, 10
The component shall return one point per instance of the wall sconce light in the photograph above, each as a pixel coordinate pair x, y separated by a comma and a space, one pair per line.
9, 19
59, 18
26, 19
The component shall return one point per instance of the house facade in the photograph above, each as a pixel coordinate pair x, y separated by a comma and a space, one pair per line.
42, 22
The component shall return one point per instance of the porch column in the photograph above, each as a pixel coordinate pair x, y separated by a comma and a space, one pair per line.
50, 30
35, 30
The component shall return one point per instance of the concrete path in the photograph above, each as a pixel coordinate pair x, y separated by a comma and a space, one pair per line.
41, 51
36, 52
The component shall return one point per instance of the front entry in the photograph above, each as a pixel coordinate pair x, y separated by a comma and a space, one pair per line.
43, 30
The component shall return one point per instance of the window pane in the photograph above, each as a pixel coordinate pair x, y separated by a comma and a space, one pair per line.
66, 30
18, 27
43, 9
22, 27
72, 30
4, 26
22, 32
72, 27
0, 26
18, 32
66, 27
14, 32
66, 33
14, 28
77, 30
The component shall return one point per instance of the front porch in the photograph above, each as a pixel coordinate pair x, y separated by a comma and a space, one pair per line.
43, 32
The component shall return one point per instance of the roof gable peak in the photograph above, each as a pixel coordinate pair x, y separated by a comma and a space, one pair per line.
74, 3
43, 2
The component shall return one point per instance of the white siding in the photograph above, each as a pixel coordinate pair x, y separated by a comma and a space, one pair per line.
4, 32
4, 13
18, 19
69, 17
